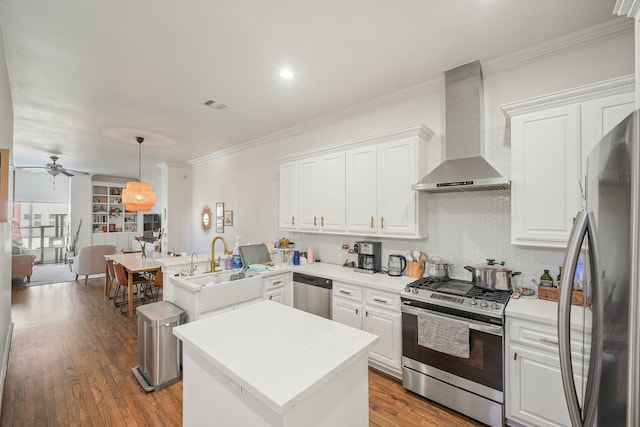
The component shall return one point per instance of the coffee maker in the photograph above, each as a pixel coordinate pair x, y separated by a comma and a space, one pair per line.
369, 256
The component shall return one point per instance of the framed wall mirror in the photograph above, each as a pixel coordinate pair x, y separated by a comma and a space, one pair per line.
206, 219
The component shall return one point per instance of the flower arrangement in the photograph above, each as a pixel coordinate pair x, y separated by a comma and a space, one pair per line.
143, 247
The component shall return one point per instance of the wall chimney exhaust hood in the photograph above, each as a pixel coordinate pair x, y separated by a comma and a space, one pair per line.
464, 168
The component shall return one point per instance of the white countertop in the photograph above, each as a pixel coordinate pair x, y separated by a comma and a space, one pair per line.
277, 353
343, 274
542, 311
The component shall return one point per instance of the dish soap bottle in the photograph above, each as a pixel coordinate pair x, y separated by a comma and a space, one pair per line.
236, 259
546, 279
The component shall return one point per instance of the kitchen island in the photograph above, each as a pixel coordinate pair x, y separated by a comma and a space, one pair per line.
268, 364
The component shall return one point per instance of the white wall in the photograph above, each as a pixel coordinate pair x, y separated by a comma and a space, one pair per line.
464, 228
6, 141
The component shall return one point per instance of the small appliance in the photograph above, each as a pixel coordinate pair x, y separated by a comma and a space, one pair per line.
369, 256
397, 264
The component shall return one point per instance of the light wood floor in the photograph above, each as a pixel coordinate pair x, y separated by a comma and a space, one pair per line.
71, 359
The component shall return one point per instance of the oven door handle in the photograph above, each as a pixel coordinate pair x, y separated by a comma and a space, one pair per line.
476, 326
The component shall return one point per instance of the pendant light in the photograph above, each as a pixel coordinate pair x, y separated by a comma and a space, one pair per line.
138, 196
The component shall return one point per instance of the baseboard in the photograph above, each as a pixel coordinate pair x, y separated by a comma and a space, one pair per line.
5, 363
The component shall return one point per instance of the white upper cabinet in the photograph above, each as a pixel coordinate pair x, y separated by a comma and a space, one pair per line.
397, 173
360, 188
551, 137
545, 153
308, 194
288, 209
333, 192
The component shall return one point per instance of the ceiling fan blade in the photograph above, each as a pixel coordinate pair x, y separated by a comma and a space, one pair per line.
76, 172
66, 172
24, 168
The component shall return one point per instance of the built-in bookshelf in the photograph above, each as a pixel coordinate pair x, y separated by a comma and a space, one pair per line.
108, 212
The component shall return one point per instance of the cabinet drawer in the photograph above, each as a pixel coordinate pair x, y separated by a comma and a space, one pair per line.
347, 291
382, 299
542, 337
275, 282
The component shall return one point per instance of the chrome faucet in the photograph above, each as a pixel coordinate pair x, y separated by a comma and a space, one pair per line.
193, 268
215, 263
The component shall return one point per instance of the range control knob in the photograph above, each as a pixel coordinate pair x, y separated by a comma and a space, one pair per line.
483, 303
495, 306
473, 301
415, 290
407, 288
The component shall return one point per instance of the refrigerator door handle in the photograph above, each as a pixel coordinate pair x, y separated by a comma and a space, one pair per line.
576, 237
584, 225
592, 391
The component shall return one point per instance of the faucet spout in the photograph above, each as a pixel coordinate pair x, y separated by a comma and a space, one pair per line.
193, 268
215, 263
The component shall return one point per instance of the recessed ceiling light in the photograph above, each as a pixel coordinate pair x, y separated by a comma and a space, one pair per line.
286, 74
216, 105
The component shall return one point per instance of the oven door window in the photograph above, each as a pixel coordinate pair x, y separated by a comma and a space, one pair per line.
484, 365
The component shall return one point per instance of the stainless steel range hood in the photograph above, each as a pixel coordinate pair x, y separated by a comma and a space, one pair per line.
464, 168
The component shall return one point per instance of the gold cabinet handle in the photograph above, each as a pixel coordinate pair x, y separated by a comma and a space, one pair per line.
293, 220
270, 297
366, 313
372, 222
381, 222
315, 222
322, 221
515, 356
342, 291
381, 300
357, 311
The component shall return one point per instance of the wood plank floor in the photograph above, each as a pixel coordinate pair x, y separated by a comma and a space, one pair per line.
71, 359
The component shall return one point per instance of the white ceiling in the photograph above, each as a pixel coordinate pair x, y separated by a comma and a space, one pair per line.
88, 76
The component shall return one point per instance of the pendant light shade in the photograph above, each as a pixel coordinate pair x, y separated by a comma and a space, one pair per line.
138, 196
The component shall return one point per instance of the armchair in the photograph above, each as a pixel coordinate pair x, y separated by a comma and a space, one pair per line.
90, 260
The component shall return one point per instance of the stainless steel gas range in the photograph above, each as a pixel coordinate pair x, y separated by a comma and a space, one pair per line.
452, 346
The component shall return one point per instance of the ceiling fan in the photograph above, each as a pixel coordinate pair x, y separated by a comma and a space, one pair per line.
53, 168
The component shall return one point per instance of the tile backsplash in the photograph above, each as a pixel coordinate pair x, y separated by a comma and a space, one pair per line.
465, 228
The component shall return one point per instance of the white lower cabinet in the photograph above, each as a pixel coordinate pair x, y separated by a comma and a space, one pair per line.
373, 311
278, 288
534, 394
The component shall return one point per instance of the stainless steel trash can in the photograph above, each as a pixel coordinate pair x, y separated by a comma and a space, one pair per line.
159, 351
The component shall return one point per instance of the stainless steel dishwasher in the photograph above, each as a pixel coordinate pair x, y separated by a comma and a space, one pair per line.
312, 294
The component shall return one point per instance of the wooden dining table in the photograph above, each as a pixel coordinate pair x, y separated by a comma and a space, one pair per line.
132, 263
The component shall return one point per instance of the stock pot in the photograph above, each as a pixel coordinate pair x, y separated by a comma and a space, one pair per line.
436, 267
492, 276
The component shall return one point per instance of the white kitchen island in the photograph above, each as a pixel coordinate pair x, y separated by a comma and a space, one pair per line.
268, 364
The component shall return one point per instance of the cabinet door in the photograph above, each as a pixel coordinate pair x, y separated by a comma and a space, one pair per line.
309, 194
276, 296
601, 115
535, 395
396, 174
333, 193
288, 200
545, 163
387, 325
347, 312
362, 190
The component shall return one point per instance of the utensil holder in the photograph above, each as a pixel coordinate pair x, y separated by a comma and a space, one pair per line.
416, 269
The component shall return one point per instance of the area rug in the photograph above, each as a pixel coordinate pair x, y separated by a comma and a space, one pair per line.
46, 274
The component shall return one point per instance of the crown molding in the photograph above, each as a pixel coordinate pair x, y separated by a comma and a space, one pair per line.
611, 29
614, 86
421, 131
630, 8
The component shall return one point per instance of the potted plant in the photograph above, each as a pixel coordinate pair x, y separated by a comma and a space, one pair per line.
70, 249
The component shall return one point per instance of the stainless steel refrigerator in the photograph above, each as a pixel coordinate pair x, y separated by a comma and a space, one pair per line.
606, 235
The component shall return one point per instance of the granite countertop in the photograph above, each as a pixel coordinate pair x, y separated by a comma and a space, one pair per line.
284, 354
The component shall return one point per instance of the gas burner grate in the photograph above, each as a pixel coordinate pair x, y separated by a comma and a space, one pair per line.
494, 296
